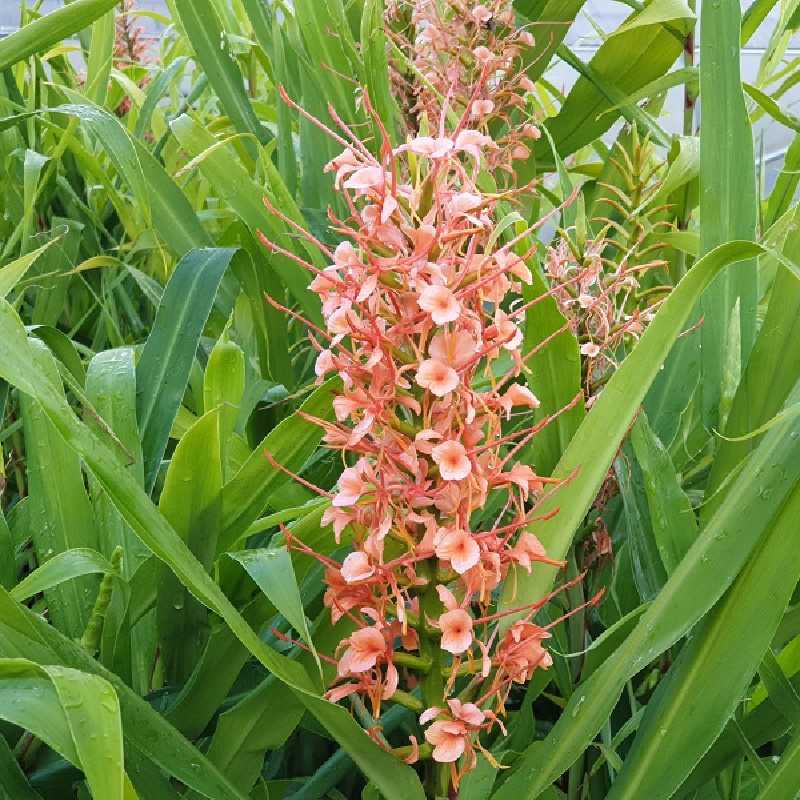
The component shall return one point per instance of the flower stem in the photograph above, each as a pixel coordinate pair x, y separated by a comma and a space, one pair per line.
438, 782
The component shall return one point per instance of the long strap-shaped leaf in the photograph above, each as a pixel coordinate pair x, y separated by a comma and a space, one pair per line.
50, 29
21, 365
784, 781
163, 370
75, 713
728, 201
210, 44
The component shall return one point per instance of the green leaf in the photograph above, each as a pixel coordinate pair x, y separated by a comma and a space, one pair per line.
229, 178
671, 514
287, 160
8, 564
780, 690
91, 708
250, 728
648, 567
783, 783
101, 51
155, 92
728, 204
684, 167
173, 216
552, 20
771, 107
223, 389
60, 568
59, 512
785, 185
640, 51
214, 675
12, 273
117, 143
333, 59
210, 44
169, 352
768, 377
554, 375
291, 443
765, 723
376, 67
273, 573
12, 778
149, 738
190, 502
252, 269
39, 35
111, 387
77, 714
752, 18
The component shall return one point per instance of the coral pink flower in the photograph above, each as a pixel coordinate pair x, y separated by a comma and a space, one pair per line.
366, 178
507, 331
436, 376
517, 395
483, 54
344, 164
324, 363
481, 14
473, 142
525, 478
449, 740
521, 653
433, 148
422, 318
461, 204
467, 712
456, 627
356, 567
367, 645
590, 349
337, 517
527, 550
480, 108
455, 348
452, 460
440, 303
460, 549
351, 486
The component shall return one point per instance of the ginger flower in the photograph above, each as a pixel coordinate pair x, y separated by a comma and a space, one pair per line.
456, 627
356, 567
452, 460
437, 376
440, 303
366, 647
460, 549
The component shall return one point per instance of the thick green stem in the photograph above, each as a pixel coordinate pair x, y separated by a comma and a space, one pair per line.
438, 782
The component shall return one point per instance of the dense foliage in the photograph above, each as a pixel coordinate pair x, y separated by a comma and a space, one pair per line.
378, 420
